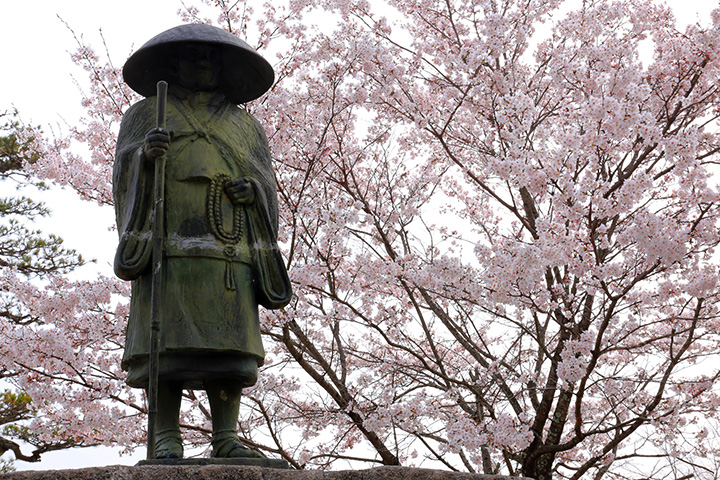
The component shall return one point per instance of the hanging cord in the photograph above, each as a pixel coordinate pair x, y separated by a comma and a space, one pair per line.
215, 220
214, 212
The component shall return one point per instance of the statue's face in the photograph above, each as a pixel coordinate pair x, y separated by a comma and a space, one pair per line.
198, 67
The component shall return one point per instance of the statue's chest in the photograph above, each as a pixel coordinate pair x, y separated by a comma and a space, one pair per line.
201, 158
200, 146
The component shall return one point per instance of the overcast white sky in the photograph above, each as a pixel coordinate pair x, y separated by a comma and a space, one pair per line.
36, 77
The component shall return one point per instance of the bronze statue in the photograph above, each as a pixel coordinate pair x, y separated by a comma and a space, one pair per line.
220, 258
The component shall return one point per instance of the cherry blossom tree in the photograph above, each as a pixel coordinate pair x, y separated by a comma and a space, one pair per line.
500, 220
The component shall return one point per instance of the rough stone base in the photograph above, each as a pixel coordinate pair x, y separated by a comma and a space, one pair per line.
224, 472
244, 461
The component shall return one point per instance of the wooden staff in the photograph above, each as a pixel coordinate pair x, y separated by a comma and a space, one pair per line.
158, 217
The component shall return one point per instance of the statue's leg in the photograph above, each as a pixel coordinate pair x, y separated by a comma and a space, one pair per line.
224, 397
168, 443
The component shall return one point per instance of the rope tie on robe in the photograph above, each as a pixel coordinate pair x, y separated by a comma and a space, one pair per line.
217, 227
200, 130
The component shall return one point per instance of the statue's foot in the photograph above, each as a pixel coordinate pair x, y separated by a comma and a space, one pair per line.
232, 448
168, 445
167, 454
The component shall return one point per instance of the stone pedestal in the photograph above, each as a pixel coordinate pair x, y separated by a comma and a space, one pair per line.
225, 472
239, 461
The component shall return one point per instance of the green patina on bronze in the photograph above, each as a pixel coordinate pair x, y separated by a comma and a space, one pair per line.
221, 258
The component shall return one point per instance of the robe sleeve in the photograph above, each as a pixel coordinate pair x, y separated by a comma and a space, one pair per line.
132, 193
273, 288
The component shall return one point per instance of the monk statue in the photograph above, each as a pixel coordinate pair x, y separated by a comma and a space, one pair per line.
220, 257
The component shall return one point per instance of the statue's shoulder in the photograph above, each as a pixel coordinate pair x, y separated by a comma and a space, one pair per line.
240, 114
142, 104
245, 119
139, 110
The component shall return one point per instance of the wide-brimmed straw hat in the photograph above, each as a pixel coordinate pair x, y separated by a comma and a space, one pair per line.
245, 75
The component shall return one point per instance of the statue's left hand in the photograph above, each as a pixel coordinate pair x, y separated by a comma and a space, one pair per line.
240, 191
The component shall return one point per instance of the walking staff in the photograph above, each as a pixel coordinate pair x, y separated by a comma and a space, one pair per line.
158, 227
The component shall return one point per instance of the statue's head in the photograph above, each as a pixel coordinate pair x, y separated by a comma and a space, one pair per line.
199, 57
198, 67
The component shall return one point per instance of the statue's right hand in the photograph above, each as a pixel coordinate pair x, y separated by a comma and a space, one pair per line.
157, 142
